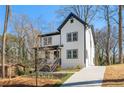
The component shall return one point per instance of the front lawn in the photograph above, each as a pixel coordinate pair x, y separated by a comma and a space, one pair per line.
30, 81
114, 76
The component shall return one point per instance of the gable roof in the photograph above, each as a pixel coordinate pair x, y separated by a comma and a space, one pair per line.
63, 23
68, 17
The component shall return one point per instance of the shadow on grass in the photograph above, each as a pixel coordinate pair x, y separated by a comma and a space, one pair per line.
18, 85
92, 83
24, 85
113, 80
87, 83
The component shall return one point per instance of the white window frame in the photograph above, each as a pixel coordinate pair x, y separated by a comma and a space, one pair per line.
72, 54
76, 38
69, 39
47, 40
72, 38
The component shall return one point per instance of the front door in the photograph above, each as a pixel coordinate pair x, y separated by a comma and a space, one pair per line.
56, 54
47, 54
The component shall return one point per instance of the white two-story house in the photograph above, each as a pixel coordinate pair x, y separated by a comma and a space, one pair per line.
72, 43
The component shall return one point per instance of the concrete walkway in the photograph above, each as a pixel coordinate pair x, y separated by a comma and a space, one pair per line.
90, 76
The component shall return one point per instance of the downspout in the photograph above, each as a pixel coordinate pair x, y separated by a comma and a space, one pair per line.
60, 50
85, 45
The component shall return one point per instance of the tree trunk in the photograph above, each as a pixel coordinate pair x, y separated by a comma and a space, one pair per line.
120, 35
4, 40
108, 39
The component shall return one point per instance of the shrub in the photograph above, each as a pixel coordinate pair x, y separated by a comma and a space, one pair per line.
78, 67
58, 68
19, 72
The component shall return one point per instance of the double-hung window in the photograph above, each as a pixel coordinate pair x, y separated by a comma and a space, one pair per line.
69, 37
73, 36
47, 40
72, 54
75, 53
69, 54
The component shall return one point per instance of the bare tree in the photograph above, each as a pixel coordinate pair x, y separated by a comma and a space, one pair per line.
120, 35
107, 13
113, 44
100, 43
85, 12
4, 40
26, 31
21, 27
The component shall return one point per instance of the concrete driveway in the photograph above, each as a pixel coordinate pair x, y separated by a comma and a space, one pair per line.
87, 77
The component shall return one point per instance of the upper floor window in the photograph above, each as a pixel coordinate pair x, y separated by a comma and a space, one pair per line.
72, 36
47, 40
75, 36
69, 37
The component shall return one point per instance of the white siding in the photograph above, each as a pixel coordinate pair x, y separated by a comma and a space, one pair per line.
76, 26
72, 27
55, 40
90, 48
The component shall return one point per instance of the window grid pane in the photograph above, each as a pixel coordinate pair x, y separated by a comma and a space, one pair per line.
45, 41
69, 37
75, 36
49, 40
69, 53
72, 54
75, 53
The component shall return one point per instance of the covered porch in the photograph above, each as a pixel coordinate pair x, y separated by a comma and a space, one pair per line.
48, 58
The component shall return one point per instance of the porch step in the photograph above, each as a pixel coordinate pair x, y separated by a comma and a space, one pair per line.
50, 66
55, 64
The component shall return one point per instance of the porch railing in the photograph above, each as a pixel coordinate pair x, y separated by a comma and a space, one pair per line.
55, 64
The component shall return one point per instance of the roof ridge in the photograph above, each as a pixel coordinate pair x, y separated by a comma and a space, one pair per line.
66, 19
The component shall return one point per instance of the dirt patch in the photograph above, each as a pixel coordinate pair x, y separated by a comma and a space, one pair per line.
27, 82
114, 76
44, 80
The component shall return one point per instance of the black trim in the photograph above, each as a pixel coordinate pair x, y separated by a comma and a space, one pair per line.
68, 17
63, 23
50, 34
54, 46
85, 46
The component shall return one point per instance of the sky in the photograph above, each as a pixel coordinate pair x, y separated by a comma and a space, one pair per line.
47, 13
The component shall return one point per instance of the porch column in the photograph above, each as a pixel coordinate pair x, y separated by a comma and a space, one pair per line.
60, 55
36, 69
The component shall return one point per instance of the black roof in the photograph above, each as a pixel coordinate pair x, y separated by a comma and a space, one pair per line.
50, 34
68, 17
63, 23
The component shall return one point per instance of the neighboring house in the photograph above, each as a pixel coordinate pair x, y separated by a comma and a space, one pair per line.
11, 70
73, 43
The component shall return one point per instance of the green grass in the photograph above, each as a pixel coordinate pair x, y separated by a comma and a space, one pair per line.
63, 80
